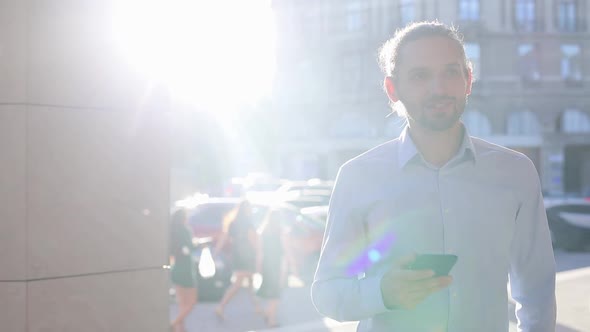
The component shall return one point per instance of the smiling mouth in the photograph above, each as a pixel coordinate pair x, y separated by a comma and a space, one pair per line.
440, 105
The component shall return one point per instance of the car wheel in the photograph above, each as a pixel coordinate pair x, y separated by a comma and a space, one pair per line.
567, 237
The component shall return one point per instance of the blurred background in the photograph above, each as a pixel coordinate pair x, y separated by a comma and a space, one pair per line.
323, 103
115, 112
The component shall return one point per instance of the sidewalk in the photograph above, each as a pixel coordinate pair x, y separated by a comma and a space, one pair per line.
296, 313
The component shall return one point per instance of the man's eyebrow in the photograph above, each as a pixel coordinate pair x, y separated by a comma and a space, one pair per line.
424, 68
413, 69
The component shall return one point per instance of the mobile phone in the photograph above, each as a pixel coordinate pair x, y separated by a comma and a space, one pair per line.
441, 264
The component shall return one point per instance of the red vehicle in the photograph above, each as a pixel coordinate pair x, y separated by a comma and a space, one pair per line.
304, 233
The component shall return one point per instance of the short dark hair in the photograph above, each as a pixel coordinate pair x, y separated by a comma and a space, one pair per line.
178, 217
390, 50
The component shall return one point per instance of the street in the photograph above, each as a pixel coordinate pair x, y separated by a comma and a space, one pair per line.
573, 291
298, 314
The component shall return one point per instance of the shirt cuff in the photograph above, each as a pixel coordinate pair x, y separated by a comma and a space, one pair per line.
373, 302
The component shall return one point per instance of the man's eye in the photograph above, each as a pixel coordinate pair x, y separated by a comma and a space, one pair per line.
419, 76
453, 72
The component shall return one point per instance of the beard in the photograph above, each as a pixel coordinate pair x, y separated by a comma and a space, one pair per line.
425, 117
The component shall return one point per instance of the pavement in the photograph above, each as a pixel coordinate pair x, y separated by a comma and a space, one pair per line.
296, 312
573, 300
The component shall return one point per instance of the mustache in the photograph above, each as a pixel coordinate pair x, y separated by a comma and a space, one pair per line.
439, 99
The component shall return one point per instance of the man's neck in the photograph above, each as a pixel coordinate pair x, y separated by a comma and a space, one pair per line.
437, 147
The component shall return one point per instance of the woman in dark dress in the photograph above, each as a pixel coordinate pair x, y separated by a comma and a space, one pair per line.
183, 273
240, 233
270, 264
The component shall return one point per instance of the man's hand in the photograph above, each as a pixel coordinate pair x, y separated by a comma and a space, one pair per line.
405, 289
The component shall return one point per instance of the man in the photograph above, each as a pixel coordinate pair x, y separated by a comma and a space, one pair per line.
435, 190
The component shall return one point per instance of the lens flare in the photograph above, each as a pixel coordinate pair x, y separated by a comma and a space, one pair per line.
361, 256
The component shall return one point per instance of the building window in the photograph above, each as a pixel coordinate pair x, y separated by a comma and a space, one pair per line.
472, 52
571, 63
525, 15
575, 122
528, 63
348, 17
357, 17
477, 123
523, 123
407, 11
469, 10
566, 17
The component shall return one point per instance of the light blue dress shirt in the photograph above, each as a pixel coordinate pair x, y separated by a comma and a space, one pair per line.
485, 206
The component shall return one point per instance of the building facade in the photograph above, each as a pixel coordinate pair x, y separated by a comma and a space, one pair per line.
531, 64
84, 169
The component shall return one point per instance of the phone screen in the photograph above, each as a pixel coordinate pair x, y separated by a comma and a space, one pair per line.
441, 264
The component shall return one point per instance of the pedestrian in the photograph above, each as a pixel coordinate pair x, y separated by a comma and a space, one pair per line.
270, 264
183, 272
437, 190
239, 232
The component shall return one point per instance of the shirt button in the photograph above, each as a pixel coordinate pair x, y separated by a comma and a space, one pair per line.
447, 210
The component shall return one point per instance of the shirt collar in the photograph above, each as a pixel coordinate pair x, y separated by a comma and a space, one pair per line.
407, 149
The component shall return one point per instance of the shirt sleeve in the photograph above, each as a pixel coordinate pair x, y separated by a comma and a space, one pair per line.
337, 291
532, 264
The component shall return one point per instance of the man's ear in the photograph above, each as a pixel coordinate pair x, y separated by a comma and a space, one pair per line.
469, 82
390, 89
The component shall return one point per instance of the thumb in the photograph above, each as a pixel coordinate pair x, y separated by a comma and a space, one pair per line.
403, 261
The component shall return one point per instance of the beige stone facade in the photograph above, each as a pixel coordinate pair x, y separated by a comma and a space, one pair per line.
83, 173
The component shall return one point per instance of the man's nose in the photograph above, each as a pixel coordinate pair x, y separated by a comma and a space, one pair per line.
438, 85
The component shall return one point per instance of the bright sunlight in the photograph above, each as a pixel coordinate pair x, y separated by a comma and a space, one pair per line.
216, 55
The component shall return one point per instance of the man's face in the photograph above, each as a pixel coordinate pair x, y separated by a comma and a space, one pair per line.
432, 83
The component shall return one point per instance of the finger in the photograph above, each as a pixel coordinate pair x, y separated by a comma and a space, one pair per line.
438, 283
397, 275
430, 285
406, 288
445, 281
414, 296
434, 284
413, 275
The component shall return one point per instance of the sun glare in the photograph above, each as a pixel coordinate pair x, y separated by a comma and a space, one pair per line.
214, 54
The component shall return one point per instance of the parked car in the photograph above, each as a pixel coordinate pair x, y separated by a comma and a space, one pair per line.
569, 221
253, 182
313, 184
307, 197
319, 212
304, 233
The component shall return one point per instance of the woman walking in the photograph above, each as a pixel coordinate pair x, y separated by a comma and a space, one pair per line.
240, 233
183, 274
270, 264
